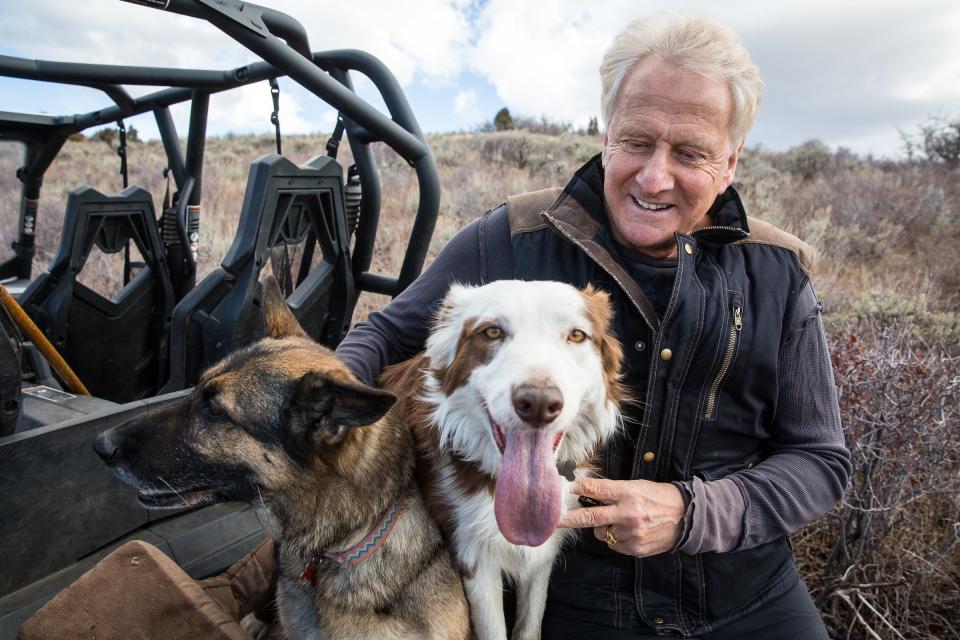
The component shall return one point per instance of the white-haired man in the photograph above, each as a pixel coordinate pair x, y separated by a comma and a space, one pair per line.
735, 440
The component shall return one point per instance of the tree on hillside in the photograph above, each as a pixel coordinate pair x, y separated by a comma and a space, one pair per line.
937, 141
107, 134
503, 121
593, 127
111, 135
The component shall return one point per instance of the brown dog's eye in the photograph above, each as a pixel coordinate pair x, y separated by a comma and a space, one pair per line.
576, 335
214, 409
493, 332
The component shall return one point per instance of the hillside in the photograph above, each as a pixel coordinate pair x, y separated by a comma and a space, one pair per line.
887, 557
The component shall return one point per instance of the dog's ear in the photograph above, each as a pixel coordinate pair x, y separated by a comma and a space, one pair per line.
445, 330
278, 320
321, 409
600, 312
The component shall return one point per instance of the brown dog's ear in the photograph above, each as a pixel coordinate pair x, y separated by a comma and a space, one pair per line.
323, 408
278, 320
600, 313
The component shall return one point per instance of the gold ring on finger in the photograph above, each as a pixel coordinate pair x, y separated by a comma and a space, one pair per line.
609, 539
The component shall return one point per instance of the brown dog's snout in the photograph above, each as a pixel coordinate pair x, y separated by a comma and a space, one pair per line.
537, 405
108, 445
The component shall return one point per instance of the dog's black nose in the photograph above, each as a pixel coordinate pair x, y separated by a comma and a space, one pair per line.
106, 446
537, 405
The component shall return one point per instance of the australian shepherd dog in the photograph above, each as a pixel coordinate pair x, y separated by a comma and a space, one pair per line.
518, 387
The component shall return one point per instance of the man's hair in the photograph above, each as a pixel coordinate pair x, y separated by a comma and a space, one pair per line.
689, 42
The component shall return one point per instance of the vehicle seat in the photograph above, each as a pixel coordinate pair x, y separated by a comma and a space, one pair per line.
139, 592
118, 346
9, 376
283, 205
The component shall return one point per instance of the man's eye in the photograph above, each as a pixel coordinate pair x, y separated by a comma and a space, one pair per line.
688, 156
493, 332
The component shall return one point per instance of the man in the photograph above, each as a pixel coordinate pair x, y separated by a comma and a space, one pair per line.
733, 440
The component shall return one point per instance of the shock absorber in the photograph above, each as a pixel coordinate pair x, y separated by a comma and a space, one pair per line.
352, 196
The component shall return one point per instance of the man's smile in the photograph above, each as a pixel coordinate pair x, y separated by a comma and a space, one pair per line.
651, 206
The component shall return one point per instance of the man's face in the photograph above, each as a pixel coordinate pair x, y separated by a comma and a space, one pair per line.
667, 154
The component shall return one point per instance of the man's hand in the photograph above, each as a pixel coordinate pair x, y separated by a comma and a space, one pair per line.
645, 518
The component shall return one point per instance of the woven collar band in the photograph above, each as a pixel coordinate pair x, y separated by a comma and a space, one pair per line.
364, 549
374, 540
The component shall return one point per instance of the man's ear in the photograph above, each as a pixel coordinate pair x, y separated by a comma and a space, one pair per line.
730, 167
321, 409
278, 320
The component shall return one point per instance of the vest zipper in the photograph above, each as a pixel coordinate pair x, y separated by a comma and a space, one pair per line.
719, 227
736, 323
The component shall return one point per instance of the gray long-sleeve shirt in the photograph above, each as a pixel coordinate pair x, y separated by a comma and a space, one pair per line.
804, 475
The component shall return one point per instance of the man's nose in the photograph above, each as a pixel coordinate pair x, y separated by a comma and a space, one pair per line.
656, 175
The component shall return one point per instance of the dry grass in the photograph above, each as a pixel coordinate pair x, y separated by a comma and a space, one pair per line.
885, 563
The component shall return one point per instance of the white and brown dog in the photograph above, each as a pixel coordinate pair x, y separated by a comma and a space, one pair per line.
518, 379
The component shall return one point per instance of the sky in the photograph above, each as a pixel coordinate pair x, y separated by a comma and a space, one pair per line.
850, 73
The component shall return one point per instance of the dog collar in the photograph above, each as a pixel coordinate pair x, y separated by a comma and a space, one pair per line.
364, 549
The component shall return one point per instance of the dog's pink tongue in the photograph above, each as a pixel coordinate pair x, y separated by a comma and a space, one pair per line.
527, 500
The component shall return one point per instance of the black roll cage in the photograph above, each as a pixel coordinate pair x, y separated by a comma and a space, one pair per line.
281, 42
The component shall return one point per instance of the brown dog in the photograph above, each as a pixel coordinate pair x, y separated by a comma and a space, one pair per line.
518, 387
282, 424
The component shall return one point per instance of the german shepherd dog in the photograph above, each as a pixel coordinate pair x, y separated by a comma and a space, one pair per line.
282, 424
519, 380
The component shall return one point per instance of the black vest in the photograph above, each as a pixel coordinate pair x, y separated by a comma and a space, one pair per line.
704, 381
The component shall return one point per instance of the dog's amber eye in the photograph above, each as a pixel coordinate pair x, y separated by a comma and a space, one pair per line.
577, 335
493, 332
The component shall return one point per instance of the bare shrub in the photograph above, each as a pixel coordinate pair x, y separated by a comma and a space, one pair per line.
542, 125
938, 141
885, 562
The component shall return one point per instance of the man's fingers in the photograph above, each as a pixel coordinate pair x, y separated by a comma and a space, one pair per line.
590, 517
604, 490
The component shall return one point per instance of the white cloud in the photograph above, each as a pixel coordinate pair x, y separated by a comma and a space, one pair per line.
110, 32
466, 102
466, 108
423, 39
248, 108
329, 119
848, 72
543, 57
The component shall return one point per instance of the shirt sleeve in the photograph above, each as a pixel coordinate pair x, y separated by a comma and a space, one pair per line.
400, 330
809, 465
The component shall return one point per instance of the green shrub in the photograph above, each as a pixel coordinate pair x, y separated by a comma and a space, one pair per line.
503, 121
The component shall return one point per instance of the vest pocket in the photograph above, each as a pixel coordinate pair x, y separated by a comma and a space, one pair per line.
735, 319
